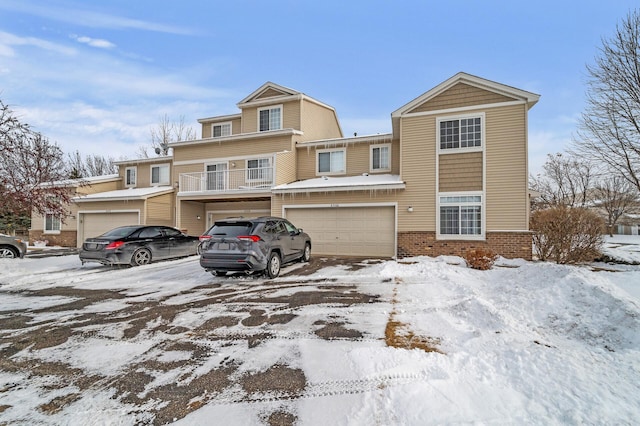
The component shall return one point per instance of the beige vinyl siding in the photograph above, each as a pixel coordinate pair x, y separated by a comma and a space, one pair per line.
285, 167
290, 116
107, 206
339, 197
318, 122
419, 172
461, 95
160, 210
98, 187
236, 127
189, 212
241, 206
460, 172
143, 172
209, 151
269, 93
506, 178
358, 159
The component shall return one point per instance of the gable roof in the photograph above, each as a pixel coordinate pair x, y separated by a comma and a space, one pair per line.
471, 80
270, 93
273, 89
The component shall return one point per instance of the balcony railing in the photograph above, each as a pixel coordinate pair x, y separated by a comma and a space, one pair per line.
236, 180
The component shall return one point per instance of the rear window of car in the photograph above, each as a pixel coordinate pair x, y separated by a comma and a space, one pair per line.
120, 232
231, 229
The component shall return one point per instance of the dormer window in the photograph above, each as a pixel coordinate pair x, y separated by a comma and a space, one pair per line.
270, 118
220, 129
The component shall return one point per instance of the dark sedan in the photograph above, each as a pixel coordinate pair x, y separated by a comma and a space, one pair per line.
138, 245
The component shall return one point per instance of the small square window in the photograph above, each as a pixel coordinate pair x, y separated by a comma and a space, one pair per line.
331, 162
220, 130
380, 158
160, 174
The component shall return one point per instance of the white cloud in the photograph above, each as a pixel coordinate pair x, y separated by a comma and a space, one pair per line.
7, 40
94, 42
88, 18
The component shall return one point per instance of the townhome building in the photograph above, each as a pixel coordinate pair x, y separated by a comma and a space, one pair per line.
452, 174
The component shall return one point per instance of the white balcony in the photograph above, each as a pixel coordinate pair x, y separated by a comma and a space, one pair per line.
259, 179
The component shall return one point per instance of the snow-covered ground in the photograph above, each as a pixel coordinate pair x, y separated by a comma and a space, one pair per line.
523, 343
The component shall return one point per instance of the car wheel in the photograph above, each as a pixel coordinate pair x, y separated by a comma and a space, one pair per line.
273, 265
141, 257
306, 254
220, 273
7, 253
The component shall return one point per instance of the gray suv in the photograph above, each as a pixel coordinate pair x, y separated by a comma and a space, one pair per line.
11, 247
260, 244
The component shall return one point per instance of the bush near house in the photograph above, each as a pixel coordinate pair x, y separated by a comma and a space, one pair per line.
567, 235
482, 259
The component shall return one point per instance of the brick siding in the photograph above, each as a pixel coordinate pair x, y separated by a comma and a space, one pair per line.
63, 239
506, 244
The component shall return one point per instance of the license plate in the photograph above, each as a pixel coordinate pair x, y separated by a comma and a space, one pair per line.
223, 246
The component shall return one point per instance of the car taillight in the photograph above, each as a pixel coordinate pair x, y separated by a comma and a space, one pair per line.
204, 237
253, 238
114, 245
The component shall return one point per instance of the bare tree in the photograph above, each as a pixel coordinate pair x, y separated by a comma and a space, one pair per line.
90, 165
564, 181
616, 197
31, 170
168, 131
609, 129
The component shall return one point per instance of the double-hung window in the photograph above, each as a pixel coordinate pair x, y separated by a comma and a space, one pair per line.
460, 133
331, 161
460, 216
221, 129
259, 169
51, 223
270, 118
160, 174
130, 176
380, 158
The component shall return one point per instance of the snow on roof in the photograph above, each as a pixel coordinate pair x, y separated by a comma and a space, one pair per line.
348, 183
125, 194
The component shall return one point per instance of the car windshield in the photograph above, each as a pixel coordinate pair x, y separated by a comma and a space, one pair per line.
123, 231
233, 229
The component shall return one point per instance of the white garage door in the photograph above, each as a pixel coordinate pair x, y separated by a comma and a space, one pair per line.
351, 231
94, 224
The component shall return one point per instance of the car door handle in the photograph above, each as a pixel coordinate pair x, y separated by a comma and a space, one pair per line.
148, 240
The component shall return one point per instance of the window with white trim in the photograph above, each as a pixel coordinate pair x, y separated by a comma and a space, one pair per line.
221, 129
270, 118
460, 133
52, 223
160, 174
380, 158
331, 161
259, 169
130, 176
461, 215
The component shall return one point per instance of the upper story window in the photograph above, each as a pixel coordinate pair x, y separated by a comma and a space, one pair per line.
259, 169
270, 118
380, 158
461, 133
130, 176
160, 174
460, 215
331, 161
221, 129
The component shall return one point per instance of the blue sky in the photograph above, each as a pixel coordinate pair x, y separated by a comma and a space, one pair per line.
96, 76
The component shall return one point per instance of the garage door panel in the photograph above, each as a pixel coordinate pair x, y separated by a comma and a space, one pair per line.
95, 224
356, 231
